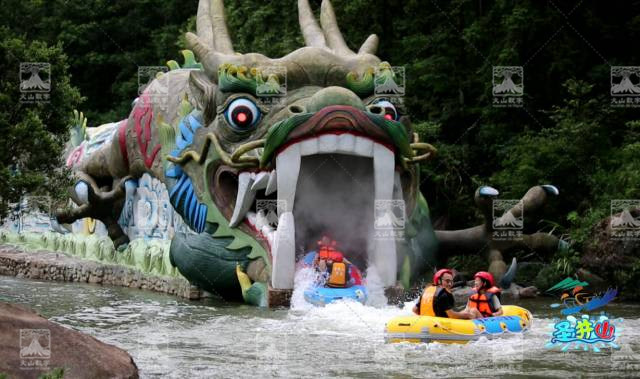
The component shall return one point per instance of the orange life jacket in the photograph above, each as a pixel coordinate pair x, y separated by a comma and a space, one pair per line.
426, 301
484, 302
338, 276
330, 253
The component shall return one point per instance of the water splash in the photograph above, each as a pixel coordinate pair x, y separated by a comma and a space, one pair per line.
304, 278
375, 288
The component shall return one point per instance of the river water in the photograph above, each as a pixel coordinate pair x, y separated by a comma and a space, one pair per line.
174, 338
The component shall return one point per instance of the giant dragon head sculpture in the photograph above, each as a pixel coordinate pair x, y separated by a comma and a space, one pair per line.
261, 157
328, 130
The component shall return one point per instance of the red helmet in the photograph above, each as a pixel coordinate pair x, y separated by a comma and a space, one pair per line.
438, 275
485, 276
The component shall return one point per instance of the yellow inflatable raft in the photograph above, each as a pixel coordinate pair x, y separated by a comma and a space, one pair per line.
447, 330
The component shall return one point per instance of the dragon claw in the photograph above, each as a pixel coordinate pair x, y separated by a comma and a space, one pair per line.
550, 189
82, 192
488, 191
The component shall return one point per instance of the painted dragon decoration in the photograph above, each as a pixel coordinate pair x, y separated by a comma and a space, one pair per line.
257, 169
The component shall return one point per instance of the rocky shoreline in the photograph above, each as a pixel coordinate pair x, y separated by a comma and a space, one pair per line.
47, 265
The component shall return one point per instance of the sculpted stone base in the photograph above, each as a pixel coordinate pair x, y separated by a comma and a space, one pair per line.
278, 298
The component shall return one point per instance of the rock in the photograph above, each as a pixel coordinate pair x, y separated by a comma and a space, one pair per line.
278, 297
614, 256
395, 294
596, 282
81, 355
193, 293
94, 279
606, 251
528, 292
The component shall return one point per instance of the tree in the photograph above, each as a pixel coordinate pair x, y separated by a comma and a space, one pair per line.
33, 134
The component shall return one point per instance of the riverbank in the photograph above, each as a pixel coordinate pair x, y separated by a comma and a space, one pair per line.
54, 266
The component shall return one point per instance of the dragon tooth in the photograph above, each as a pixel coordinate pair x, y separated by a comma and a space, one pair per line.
266, 229
327, 143
309, 146
283, 252
261, 220
251, 216
346, 143
384, 253
363, 147
272, 184
383, 172
270, 233
283, 247
288, 165
244, 198
397, 186
261, 180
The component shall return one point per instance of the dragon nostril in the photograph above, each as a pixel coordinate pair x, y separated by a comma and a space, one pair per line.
376, 109
296, 109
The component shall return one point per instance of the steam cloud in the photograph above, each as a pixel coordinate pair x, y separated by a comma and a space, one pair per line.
335, 197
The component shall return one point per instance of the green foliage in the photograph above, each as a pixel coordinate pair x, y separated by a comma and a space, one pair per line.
33, 135
56, 373
547, 277
468, 264
527, 273
566, 263
106, 41
627, 281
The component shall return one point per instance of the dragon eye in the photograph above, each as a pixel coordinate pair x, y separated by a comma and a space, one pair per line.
390, 112
242, 114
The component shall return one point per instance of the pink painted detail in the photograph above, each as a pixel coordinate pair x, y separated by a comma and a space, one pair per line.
144, 111
75, 156
122, 140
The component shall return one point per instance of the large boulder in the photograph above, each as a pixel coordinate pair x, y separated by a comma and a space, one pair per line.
615, 256
31, 345
612, 250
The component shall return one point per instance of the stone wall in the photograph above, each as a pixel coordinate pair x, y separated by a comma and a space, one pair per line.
47, 265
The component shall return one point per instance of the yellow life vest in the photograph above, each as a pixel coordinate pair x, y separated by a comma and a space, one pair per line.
338, 277
426, 301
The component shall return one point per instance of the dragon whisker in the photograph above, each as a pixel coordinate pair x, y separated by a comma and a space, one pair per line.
430, 152
237, 154
236, 160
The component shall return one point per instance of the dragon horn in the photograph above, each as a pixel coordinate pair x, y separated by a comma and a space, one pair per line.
222, 41
211, 26
204, 29
370, 46
331, 30
311, 31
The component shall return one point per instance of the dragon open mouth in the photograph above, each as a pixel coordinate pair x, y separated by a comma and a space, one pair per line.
329, 174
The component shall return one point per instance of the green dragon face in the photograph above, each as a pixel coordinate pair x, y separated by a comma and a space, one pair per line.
285, 151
